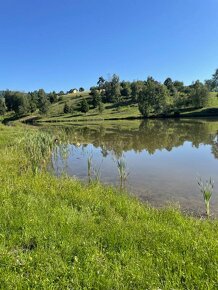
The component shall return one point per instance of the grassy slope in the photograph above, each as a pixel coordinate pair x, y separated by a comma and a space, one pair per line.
126, 111
60, 234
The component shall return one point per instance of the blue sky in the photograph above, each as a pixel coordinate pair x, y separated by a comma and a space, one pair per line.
62, 44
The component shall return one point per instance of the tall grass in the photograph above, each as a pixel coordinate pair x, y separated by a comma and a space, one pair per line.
37, 147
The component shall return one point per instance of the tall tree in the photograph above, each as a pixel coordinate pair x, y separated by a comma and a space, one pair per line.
43, 102
113, 89
126, 89
199, 94
153, 98
96, 97
136, 88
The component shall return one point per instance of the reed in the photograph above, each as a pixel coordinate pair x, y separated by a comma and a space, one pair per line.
122, 169
206, 189
89, 168
93, 172
37, 147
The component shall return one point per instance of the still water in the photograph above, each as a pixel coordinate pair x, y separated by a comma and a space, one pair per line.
163, 158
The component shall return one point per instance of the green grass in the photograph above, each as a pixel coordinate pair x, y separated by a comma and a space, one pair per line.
57, 233
213, 99
111, 112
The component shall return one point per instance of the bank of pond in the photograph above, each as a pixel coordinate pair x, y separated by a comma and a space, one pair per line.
57, 232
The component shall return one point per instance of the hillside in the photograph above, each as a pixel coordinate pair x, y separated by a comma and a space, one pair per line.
111, 111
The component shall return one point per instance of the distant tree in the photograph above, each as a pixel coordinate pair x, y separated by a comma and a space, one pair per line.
113, 90
100, 83
81, 89
84, 106
153, 98
21, 104
212, 84
66, 109
170, 86
168, 82
8, 95
199, 94
96, 97
33, 102
136, 88
52, 97
17, 102
179, 86
126, 89
43, 102
61, 93
2, 107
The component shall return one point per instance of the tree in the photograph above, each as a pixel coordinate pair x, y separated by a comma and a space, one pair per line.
2, 107
170, 86
17, 102
153, 98
179, 86
113, 90
213, 82
199, 94
126, 89
43, 102
52, 97
100, 83
20, 104
66, 109
136, 88
81, 89
84, 106
96, 96
8, 95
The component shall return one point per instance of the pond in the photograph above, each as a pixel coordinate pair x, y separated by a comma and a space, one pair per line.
163, 158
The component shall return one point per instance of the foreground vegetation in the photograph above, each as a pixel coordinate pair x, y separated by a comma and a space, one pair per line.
57, 233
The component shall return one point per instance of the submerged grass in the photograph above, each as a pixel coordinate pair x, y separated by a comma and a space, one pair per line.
57, 233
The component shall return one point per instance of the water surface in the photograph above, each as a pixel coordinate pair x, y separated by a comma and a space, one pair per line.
163, 157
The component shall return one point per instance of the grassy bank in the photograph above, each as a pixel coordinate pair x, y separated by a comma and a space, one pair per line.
61, 234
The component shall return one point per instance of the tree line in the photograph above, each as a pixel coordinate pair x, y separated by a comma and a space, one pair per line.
24, 103
151, 96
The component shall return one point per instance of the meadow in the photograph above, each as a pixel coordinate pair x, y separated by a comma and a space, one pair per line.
58, 233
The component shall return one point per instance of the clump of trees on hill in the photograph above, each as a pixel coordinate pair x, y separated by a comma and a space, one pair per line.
153, 97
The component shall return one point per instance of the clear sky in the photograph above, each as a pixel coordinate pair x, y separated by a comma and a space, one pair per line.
62, 44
